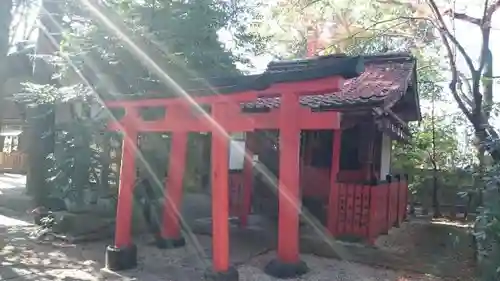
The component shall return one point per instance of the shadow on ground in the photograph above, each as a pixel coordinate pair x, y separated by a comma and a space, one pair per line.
22, 259
437, 248
13, 198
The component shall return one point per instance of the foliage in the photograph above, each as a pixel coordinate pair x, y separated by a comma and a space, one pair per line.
487, 227
180, 36
13, 31
419, 155
5, 21
428, 151
35, 94
472, 87
95, 62
374, 26
76, 165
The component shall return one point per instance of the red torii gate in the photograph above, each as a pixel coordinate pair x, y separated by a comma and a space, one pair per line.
226, 116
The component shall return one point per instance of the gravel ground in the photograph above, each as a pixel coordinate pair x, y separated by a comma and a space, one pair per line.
23, 259
441, 246
322, 269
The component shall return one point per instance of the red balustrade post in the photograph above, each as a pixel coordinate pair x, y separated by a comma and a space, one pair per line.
221, 269
387, 222
375, 212
123, 254
333, 199
288, 263
171, 231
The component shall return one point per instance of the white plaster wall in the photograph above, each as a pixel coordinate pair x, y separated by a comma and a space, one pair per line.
237, 151
385, 156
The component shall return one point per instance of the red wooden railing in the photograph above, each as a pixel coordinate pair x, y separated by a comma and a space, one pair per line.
367, 211
354, 209
379, 200
236, 206
364, 210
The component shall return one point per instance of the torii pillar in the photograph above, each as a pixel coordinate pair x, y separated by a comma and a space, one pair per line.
333, 198
170, 236
246, 205
288, 263
123, 254
221, 269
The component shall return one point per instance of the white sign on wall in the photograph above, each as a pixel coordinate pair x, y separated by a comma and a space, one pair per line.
236, 154
385, 156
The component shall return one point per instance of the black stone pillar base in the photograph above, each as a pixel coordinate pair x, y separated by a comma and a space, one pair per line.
121, 258
230, 275
170, 243
278, 269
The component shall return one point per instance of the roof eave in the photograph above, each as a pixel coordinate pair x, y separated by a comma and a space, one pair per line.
416, 94
350, 106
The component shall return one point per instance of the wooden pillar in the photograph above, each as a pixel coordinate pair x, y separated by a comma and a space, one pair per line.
220, 201
370, 130
123, 254
247, 180
288, 263
171, 231
221, 269
126, 189
289, 201
333, 199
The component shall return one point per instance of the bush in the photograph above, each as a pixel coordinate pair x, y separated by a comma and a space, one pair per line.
487, 227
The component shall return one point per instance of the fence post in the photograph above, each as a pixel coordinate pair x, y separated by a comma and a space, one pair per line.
406, 189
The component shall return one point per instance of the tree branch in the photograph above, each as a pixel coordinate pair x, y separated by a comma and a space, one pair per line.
441, 26
476, 75
372, 26
462, 80
400, 3
462, 16
486, 31
432, 159
488, 14
455, 79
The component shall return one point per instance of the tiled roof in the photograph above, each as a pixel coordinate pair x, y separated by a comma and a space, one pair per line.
385, 78
10, 110
276, 72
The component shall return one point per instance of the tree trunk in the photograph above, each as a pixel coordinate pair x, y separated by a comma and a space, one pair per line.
481, 136
83, 143
479, 174
41, 118
435, 194
105, 163
5, 22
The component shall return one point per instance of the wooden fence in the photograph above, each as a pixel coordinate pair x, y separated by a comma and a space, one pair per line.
14, 162
367, 211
